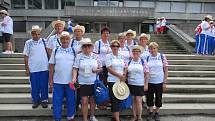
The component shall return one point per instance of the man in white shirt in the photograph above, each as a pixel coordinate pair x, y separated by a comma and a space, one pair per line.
7, 30
36, 65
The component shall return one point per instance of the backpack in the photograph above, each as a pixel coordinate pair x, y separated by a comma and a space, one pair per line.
101, 92
125, 104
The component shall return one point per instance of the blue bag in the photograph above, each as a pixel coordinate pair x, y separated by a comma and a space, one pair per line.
101, 92
125, 104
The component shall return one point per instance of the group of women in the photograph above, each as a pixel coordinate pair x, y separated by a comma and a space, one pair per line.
76, 59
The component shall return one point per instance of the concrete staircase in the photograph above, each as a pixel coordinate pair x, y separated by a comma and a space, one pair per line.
191, 84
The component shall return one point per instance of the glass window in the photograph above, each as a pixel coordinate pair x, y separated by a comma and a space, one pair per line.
35, 4
18, 4
114, 3
102, 3
132, 3
67, 3
51, 4
19, 26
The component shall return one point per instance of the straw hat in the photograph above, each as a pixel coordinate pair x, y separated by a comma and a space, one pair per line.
58, 22
137, 47
131, 32
65, 34
211, 22
86, 41
120, 90
82, 28
209, 17
115, 42
144, 35
36, 28
4, 12
121, 35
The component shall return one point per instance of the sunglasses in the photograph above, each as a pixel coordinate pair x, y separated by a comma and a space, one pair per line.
115, 46
86, 46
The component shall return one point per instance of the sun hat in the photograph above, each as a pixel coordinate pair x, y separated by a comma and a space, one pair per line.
121, 35
86, 41
82, 28
4, 12
131, 32
58, 22
144, 35
209, 17
36, 28
114, 42
137, 47
120, 90
65, 34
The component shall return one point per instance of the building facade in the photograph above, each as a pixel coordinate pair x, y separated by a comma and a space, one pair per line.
119, 15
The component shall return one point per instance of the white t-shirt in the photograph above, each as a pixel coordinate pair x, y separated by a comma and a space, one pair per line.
204, 26
117, 63
131, 46
37, 56
156, 73
136, 72
53, 42
213, 32
76, 45
85, 65
145, 53
8, 27
158, 24
163, 22
104, 50
63, 60
125, 52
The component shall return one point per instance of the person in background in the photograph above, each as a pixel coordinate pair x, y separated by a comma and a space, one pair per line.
198, 31
116, 67
143, 41
102, 48
78, 36
137, 69
61, 65
158, 73
54, 40
36, 66
69, 25
206, 29
85, 68
7, 31
163, 25
130, 35
123, 49
158, 25
210, 40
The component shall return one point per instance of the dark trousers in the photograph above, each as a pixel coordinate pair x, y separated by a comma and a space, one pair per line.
156, 89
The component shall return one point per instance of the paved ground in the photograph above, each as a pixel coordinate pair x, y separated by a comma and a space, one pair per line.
163, 118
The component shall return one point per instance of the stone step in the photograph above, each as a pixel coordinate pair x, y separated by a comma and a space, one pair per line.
12, 72
11, 60
15, 55
192, 80
191, 67
166, 52
191, 74
25, 98
189, 57
25, 88
14, 80
21, 110
191, 62
12, 66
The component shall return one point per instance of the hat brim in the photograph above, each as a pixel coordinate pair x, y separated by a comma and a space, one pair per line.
6, 13
58, 22
81, 28
132, 32
146, 36
114, 89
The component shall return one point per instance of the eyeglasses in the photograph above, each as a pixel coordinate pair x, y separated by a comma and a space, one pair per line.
86, 46
136, 51
115, 46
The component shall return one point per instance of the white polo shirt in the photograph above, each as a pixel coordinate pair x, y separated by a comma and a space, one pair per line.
53, 42
156, 72
104, 50
163, 22
136, 72
63, 60
37, 56
131, 46
145, 53
204, 26
125, 52
158, 24
76, 45
8, 27
85, 65
117, 63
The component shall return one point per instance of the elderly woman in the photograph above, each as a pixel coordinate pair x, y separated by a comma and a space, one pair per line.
116, 71
61, 65
137, 69
143, 41
130, 35
158, 73
36, 64
123, 49
78, 32
85, 68
102, 48
54, 40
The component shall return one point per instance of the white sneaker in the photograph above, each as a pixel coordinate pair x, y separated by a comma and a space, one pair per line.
11, 52
6, 52
93, 118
